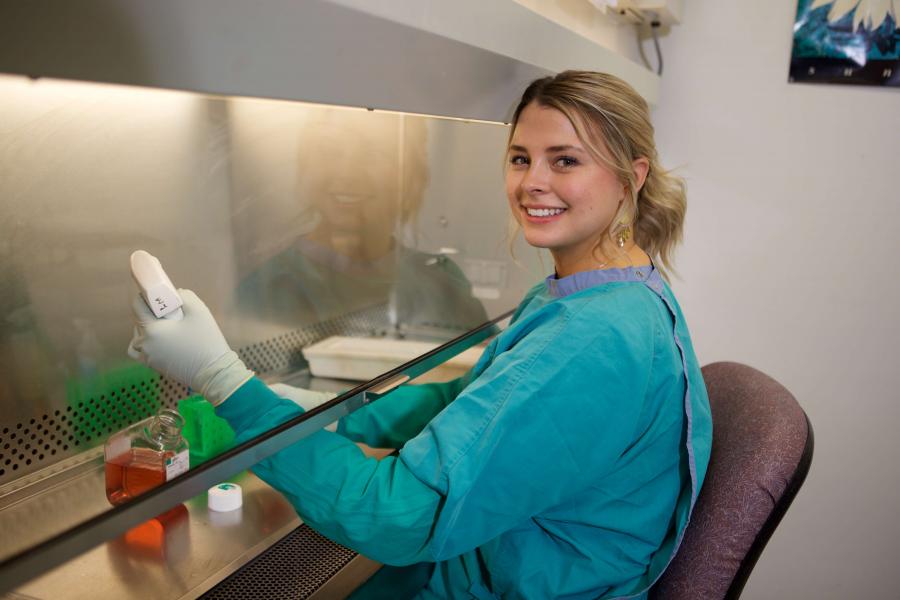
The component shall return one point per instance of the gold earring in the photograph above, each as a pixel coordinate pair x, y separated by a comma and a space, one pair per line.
623, 236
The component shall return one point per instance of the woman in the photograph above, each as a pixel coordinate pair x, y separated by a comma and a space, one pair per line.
566, 463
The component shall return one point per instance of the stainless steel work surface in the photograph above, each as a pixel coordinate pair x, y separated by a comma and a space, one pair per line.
60, 497
178, 556
188, 550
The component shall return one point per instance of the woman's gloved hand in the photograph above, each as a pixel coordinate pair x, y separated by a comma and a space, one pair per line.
306, 399
192, 351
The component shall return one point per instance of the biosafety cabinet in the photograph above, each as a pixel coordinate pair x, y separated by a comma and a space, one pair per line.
326, 175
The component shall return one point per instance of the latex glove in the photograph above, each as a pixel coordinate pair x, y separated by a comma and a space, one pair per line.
306, 399
192, 351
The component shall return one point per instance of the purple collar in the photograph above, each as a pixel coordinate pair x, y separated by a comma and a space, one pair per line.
588, 279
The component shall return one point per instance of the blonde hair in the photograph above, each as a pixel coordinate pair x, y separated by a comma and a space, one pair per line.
613, 121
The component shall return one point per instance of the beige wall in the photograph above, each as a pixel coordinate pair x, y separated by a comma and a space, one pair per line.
790, 266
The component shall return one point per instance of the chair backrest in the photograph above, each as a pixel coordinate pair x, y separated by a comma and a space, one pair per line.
761, 451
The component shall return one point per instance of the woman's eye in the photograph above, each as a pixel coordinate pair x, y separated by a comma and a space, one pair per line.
566, 161
518, 159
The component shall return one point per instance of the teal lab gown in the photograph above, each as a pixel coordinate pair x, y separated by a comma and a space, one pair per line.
565, 464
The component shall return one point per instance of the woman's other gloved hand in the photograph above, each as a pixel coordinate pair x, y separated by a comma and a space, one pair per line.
192, 351
306, 399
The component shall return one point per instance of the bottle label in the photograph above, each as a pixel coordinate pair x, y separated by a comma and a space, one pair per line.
177, 464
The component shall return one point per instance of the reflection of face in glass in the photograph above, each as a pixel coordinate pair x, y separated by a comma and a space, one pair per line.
349, 169
333, 197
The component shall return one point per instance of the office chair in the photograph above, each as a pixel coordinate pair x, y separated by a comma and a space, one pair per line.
761, 451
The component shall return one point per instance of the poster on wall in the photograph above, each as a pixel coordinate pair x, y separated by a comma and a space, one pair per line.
847, 41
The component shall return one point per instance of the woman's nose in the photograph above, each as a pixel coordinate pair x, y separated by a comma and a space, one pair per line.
535, 181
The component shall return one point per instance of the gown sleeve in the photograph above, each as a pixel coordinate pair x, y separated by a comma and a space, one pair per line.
356, 501
395, 419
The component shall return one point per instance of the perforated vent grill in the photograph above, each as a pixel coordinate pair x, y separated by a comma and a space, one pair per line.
294, 568
86, 422
93, 409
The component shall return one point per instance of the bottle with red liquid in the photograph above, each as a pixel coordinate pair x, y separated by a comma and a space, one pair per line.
145, 455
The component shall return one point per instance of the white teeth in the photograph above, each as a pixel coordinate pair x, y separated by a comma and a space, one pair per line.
544, 212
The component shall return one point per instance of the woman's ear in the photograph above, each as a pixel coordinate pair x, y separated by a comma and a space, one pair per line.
641, 167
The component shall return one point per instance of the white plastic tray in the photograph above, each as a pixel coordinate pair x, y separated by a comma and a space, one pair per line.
361, 358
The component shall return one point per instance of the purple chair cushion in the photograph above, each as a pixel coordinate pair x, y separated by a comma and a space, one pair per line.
759, 437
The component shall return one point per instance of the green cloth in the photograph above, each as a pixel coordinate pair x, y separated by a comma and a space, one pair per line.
565, 464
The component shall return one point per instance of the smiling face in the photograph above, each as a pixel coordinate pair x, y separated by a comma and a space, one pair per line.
563, 198
349, 168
